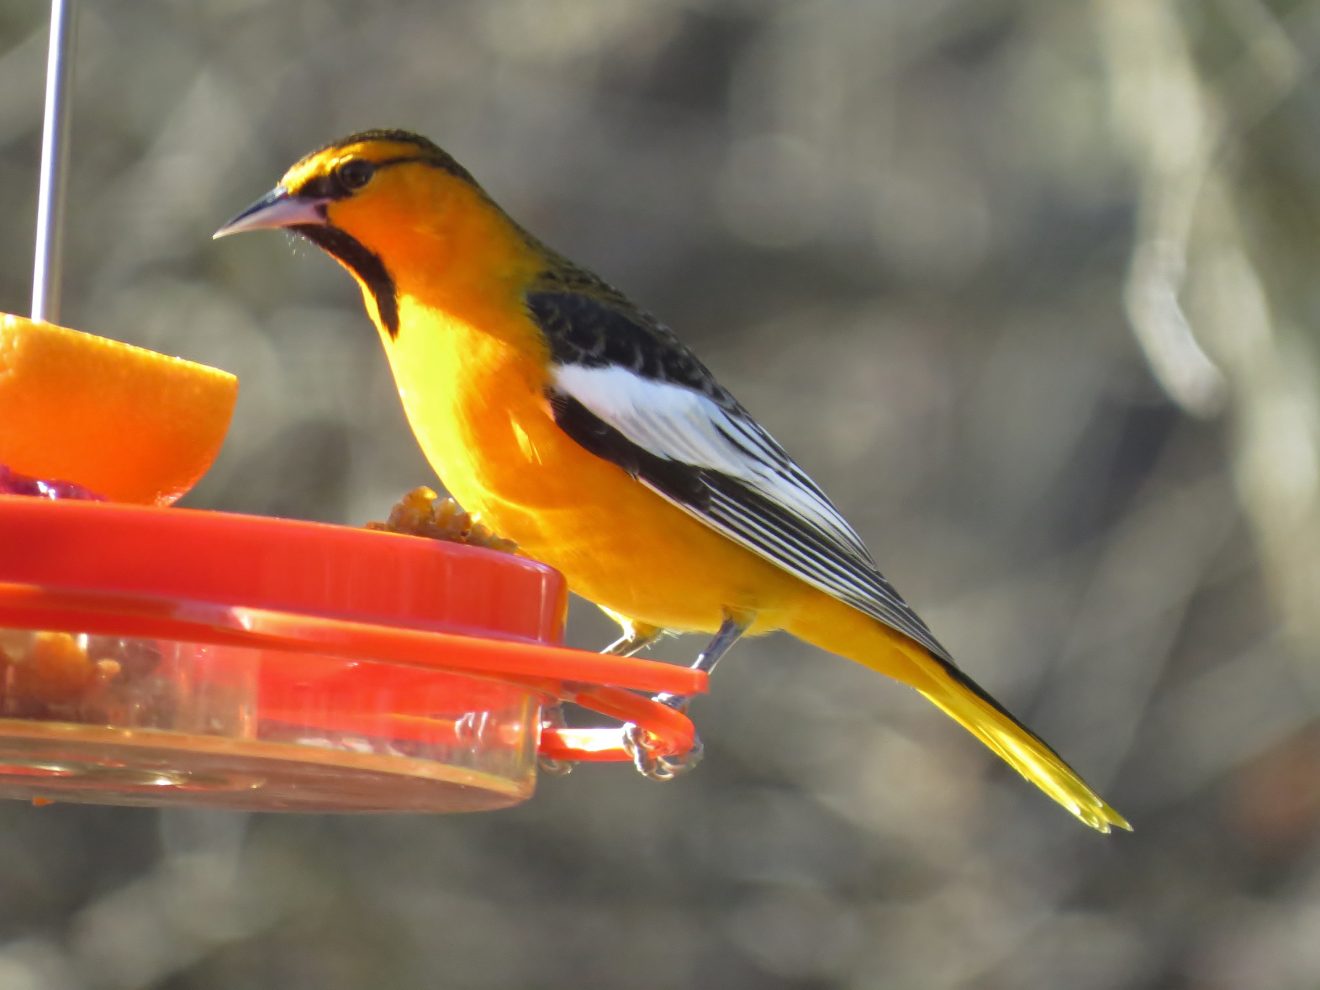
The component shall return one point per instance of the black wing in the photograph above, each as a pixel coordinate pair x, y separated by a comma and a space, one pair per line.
627, 390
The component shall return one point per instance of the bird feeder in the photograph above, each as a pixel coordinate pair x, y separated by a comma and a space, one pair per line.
165, 656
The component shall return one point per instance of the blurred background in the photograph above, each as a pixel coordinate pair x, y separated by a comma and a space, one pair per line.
1027, 287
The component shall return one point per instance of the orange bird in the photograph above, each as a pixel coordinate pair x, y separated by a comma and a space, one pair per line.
579, 426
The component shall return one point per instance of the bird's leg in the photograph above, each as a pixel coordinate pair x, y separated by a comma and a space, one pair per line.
669, 767
730, 631
636, 637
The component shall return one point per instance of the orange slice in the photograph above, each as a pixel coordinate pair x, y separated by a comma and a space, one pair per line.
124, 422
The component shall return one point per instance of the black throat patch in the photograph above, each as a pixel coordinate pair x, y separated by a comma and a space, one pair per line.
366, 265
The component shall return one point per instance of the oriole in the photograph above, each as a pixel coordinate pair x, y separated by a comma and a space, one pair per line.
577, 425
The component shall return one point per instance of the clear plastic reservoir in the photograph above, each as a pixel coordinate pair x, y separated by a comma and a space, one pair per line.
163, 656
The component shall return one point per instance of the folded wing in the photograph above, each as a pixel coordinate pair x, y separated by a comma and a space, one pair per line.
627, 390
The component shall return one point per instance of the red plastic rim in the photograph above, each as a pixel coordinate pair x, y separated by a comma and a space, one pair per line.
310, 588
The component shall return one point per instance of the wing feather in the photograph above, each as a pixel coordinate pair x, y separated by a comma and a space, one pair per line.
660, 415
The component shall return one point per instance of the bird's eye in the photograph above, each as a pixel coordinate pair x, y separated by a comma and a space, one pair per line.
354, 173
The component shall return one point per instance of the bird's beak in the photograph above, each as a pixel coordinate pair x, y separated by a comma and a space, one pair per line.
278, 208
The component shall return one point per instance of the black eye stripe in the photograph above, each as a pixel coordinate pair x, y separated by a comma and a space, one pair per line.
329, 186
322, 187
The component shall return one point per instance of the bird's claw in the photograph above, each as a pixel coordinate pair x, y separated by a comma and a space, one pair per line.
553, 717
554, 768
662, 767
654, 767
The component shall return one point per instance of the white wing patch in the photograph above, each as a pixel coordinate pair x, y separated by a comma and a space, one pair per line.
680, 424
710, 459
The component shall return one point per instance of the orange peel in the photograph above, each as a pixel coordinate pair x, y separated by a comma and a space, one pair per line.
122, 421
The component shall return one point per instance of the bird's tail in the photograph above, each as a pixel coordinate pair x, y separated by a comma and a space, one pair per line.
959, 697
858, 637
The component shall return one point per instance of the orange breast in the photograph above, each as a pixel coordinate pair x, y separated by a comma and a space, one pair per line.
476, 404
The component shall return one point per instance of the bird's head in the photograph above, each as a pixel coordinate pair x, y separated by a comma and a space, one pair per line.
392, 208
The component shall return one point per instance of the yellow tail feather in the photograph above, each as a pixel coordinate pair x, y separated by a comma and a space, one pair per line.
1022, 750
834, 626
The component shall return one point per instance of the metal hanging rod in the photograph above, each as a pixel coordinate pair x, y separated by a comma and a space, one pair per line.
48, 262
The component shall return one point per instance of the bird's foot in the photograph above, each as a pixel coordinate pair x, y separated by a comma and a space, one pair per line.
661, 767
655, 767
554, 718
424, 513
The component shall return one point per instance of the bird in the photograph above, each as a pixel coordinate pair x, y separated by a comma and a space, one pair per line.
571, 421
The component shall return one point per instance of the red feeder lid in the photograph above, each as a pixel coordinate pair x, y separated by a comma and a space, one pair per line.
410, 608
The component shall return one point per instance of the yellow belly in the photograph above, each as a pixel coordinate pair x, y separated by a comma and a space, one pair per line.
478, 410
477, 406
